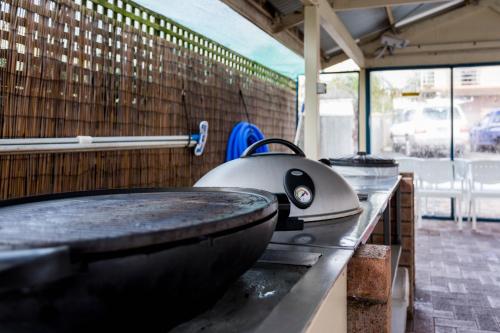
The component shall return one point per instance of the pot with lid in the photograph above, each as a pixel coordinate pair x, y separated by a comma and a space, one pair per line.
307, 190
363, 164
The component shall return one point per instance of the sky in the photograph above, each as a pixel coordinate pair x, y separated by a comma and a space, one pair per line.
220, 23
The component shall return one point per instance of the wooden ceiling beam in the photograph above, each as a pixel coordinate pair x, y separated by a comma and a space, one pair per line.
287, 22
339, 5
390, 16
334, 26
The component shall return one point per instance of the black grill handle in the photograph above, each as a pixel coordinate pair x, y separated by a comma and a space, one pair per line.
285, 222
253, 148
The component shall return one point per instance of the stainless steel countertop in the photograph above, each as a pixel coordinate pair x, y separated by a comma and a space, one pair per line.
350, 231
276, 297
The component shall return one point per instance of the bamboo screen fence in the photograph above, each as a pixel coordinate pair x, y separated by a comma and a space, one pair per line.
68, 70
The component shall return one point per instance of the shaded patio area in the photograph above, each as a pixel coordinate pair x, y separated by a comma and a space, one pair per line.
457, 278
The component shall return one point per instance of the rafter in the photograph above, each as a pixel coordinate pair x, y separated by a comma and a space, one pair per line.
493, 5
446, 6
390, 16
452, 47
332, 24
265, 21
336, 59
415, 29
448, 47
440, 58
360, 4
430, 24
287, 22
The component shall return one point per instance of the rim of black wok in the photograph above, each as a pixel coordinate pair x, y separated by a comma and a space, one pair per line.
266, 209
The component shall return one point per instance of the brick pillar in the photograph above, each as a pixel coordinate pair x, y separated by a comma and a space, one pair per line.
369, 285
408, 233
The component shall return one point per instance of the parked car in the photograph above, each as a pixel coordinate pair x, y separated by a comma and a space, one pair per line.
486, 134
425, 131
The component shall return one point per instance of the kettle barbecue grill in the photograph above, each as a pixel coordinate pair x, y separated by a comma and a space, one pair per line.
308, 190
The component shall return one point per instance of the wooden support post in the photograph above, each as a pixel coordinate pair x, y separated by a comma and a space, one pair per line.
362, 111
312, 67
333, 25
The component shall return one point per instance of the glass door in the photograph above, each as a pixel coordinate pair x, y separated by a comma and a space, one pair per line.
476, 94
410, 120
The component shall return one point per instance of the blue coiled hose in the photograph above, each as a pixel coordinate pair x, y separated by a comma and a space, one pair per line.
243, 135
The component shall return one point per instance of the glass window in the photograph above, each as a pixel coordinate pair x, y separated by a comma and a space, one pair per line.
485, 121
496, 118
338, 114
436, 113
410, 113
478, 96
410, 119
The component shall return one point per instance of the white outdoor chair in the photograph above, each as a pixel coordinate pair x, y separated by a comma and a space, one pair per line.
407, 164
461, 167
436, 179
484, 182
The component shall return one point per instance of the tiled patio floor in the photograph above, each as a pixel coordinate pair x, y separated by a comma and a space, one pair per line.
457, 278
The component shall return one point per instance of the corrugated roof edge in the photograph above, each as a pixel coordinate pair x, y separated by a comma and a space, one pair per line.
174, 32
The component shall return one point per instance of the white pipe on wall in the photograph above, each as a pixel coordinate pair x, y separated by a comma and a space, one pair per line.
85, 144
104, 143
91, 139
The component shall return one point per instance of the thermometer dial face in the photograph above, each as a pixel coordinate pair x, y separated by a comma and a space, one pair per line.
303, 194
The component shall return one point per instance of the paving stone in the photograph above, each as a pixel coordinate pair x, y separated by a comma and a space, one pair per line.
487, 322
470, 274
452, 271
463, 312
494, 301
457, 279
467, 330
482, 288
481, 310
457, 287
443, 304
424, 307
488, 279
422, 295
443, 314
478, 301
455, 323
445, 329
423, 323
433, 287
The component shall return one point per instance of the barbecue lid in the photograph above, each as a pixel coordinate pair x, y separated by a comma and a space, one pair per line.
105, 221
315, 191
362, 159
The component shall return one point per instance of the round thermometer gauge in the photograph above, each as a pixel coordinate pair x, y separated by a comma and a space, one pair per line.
303, 194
